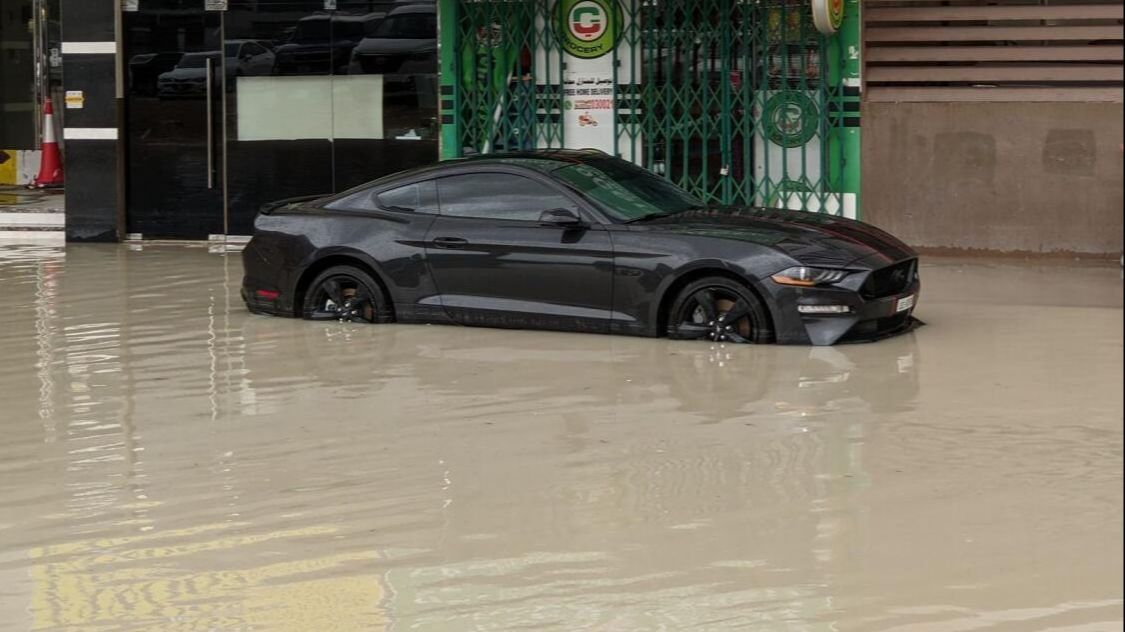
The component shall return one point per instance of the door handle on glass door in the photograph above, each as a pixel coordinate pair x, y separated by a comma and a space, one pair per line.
210, 131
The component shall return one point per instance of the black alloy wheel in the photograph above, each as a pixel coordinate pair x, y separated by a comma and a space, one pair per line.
719, 309
345, 294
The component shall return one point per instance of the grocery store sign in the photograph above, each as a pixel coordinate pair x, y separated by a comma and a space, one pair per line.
828, 15
588, 32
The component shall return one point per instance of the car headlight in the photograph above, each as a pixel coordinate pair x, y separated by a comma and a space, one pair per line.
807, 277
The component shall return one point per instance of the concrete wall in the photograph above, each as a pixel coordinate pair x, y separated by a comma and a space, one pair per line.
1007, 177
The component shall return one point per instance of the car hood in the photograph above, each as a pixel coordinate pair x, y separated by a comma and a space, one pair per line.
814, 239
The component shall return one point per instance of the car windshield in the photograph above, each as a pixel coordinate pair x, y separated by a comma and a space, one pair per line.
625, 191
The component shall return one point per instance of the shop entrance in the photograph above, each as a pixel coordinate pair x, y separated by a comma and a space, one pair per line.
174, 110
235, 104
738, 102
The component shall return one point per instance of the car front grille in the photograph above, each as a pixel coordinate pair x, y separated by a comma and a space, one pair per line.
890, 281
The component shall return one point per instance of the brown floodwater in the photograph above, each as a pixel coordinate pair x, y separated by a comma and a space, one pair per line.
170, 462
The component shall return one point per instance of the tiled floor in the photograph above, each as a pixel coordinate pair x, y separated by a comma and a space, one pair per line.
31, 216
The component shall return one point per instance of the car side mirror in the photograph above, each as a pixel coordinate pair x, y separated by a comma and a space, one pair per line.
561, 217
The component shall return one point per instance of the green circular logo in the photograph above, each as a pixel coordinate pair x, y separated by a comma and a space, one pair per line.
588, 28
791, 118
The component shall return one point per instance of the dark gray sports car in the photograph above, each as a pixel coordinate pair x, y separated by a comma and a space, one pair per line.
578, 241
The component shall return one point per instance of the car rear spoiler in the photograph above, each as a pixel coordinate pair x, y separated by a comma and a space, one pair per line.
270, 207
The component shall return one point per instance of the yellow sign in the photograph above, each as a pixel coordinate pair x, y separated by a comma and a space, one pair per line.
75, 99
8, 169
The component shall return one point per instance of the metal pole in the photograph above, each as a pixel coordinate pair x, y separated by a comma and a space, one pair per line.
449, 78
38, 59
119, 99
851, 43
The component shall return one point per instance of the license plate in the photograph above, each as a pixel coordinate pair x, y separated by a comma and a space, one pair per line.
904, 303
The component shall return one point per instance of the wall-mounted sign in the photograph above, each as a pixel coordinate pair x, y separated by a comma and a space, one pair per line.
215, 5
589, 30
828, 15
75, 99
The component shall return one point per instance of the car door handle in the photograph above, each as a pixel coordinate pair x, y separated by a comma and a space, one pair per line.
450, 243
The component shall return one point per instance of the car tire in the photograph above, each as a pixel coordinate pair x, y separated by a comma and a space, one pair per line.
346, 293
719, 309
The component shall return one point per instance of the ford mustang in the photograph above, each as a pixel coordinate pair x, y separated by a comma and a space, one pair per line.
577, 241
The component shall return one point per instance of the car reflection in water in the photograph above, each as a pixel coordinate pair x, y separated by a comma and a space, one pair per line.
710, 383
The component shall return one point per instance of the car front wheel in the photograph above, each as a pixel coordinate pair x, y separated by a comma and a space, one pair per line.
719, 309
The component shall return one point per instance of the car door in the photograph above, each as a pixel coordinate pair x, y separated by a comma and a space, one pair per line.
495, 264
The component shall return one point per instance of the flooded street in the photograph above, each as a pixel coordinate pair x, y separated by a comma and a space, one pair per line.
170, 462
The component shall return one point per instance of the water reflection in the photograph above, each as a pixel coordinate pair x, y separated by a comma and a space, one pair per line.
172, 462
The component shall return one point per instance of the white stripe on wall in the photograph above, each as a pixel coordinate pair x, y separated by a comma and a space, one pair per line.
89, 48
40, 237
90, 133
41, 220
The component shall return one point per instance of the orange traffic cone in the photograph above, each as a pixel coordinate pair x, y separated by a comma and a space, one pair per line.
50, 168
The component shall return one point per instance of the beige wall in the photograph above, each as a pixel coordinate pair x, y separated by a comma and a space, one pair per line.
1009, 177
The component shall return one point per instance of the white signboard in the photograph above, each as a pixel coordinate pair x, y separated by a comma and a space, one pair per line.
589, 32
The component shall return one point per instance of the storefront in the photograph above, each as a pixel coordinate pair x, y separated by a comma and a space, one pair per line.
224, 105
30, 72
229, 107
751, 103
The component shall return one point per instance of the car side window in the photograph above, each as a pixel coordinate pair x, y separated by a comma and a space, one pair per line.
419, 197
498, 196
250, 48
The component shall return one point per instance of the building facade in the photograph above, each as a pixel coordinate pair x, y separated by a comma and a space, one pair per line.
30, 72
192, 113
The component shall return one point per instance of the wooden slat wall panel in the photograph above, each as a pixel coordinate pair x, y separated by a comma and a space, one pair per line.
992, 33
993, 53
881, 94
945, 50
1002, 12
996, 74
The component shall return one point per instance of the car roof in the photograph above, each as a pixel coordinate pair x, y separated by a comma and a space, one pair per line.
542, 160
545, 160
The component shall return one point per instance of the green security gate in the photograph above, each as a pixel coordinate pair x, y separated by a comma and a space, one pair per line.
741, 102
501, 77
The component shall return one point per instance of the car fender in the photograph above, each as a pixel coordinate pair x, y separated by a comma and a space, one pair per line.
698, 265
342, 251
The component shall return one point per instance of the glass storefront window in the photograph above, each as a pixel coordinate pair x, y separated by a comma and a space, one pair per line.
17, 75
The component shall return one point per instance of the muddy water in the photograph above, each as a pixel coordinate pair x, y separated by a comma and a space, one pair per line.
169, 462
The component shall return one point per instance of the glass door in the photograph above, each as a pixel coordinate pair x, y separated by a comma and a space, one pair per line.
280, 60
174, 84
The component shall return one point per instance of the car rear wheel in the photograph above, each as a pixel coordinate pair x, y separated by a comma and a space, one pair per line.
345, 294
720, 310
